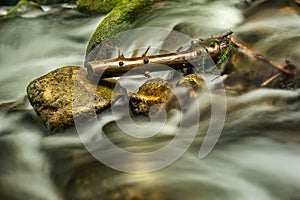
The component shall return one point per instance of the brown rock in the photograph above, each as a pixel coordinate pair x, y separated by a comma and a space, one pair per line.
52, 96
94, 181
152, 92
194, 81
156, 94
191, 80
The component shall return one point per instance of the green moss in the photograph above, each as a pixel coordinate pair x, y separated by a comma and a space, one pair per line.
96, 6
49, 2
224, 56
121, 18
41, 2
221, 59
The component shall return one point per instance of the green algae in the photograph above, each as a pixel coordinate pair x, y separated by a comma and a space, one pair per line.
93, 7
120, 19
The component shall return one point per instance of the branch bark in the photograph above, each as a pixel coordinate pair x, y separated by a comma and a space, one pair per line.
120, 66
282, 68
200, 53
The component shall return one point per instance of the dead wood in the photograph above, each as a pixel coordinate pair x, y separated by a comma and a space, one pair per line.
201, 51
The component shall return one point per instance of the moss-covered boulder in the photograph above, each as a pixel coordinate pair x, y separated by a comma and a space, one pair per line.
54, 100
93, 7
121, 18
49, 2
42, 2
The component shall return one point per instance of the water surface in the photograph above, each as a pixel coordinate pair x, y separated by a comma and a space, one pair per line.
257, 156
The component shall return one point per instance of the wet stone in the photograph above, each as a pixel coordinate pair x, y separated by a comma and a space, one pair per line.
64, 93
192, 85
156, 94
151, 94
191, 80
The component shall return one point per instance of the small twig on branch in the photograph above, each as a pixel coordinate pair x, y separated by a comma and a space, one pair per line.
267, 82
262, 58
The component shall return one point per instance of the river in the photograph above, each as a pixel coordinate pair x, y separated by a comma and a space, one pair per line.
256, 157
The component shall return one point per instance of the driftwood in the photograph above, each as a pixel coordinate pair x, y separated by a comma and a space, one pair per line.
288, 69
199, 55
200, 52
284, 68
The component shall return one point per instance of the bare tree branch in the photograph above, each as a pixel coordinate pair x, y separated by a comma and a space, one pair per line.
272, 63
214, 46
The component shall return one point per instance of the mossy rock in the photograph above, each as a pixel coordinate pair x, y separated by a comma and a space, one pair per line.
50, 2
93, 7
42, 2
120, 19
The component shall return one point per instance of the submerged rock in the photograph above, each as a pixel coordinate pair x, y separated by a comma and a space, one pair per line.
156, 94
121, 18
151, 94
271, 29
52, 96
190, 80
94, 181
24, 8
96, 6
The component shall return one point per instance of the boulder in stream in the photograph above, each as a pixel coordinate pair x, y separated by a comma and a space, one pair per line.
93, 7
151, 95
52, 96
121, 18
156, 94
49, 2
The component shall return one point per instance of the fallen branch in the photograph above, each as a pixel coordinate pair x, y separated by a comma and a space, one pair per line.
198, 54
284, 69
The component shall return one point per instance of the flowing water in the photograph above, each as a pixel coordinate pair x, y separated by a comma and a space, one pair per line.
257, 156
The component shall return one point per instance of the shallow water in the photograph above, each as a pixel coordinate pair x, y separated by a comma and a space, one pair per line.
257, 156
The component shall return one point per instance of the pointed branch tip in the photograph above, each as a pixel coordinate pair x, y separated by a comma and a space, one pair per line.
144, 54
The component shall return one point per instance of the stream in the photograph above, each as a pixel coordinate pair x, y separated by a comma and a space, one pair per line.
256, 157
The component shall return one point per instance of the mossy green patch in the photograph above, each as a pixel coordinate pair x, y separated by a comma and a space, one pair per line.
226, 54
121, 18
49, 2
93, 7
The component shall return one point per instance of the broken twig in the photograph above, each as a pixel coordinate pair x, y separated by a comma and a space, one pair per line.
272, 63
267, 82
